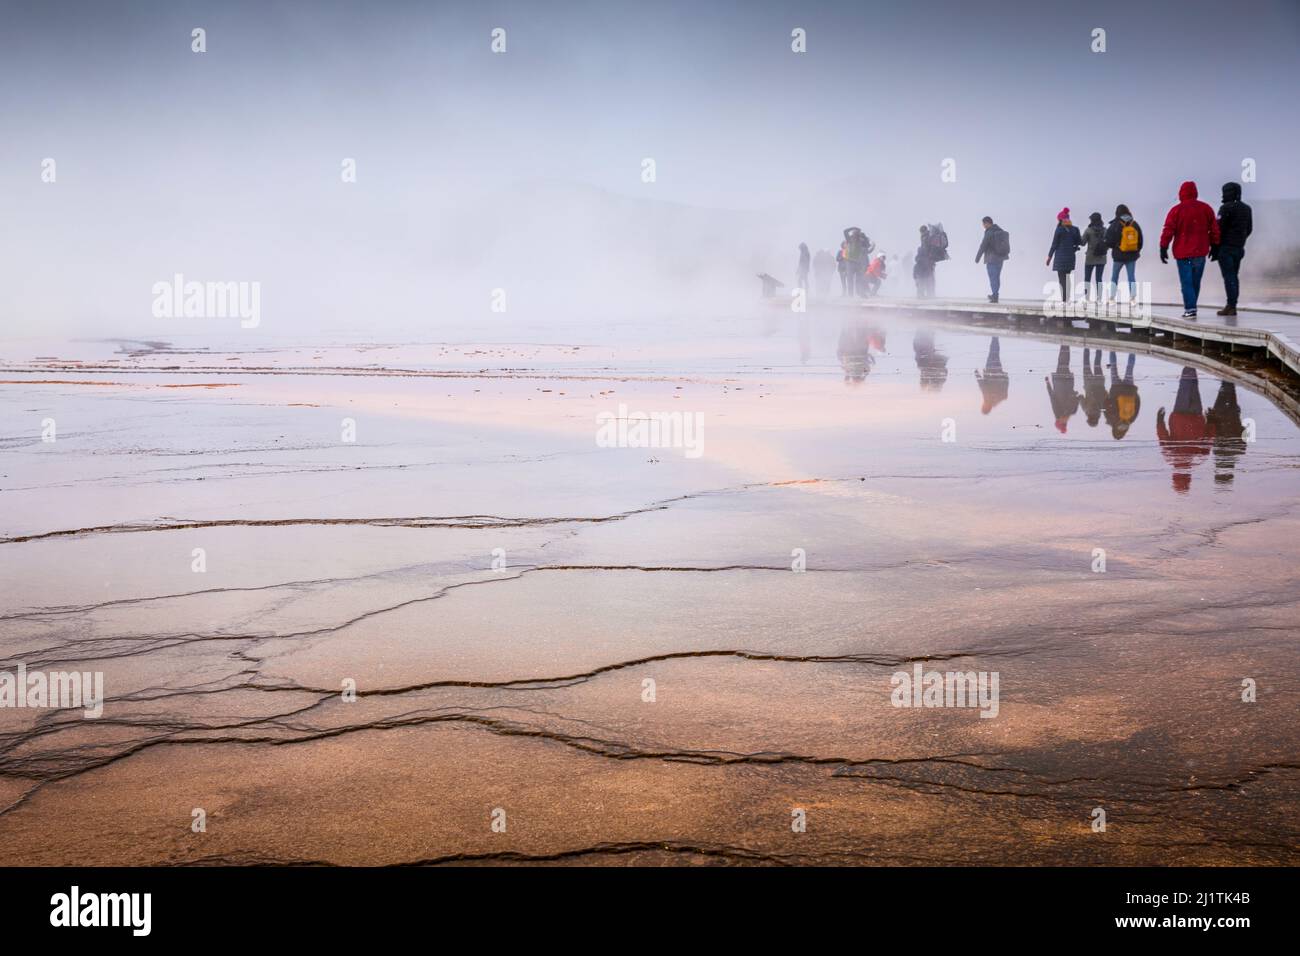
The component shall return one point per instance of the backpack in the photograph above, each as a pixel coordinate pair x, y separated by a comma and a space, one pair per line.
1128, 237
938, 240
1002, 244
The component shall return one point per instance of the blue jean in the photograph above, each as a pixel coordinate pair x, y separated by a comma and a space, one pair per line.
1189, 276
1229, 264
994, 269
1115, 266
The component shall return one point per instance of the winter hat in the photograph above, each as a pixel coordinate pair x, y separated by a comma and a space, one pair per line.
1063, 214
1095, 219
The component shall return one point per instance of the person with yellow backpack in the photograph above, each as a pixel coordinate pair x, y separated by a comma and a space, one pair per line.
1124, 239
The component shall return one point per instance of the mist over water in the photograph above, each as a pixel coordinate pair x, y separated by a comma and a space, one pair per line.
523, 170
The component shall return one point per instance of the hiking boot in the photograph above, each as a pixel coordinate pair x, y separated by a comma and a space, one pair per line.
1227, 310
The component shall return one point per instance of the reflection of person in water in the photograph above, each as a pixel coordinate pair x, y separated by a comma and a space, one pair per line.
994, 383
1229, 441
854, 350
1094, 388
1122, 402
1060, 390
1185, 440
932, 363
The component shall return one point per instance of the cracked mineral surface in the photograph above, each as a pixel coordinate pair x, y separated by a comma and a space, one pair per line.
638, 656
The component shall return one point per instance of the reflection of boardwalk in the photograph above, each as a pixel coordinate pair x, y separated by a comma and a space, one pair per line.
1261, 334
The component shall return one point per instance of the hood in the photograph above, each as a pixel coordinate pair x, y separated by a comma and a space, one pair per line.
1187, 191
1231, 192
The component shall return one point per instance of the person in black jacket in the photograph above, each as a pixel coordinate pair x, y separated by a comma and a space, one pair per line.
801, 270
995, 249
923, 267
1123, 254
823, 268
1094, 258
1235, 225
1065, 242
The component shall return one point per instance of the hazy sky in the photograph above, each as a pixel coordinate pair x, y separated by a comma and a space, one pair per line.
227, 163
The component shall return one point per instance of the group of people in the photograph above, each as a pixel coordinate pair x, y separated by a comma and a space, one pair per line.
860, 272
1192, 231
1191, 227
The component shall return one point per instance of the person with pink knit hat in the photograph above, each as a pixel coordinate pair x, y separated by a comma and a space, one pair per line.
1065, 242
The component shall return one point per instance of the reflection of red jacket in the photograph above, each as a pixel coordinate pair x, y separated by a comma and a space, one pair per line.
1184, 442
1191, 225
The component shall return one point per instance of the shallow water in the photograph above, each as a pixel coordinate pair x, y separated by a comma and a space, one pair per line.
948, 513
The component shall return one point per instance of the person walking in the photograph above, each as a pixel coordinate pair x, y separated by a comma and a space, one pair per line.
1060, 256
1094, 257
1193, 230
801, 271
823, 269
1124, 239
923, 267
1235, 224
995, 249
857, 254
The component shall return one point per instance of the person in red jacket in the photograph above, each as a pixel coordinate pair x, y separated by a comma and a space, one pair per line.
1187, 437
1193, 228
